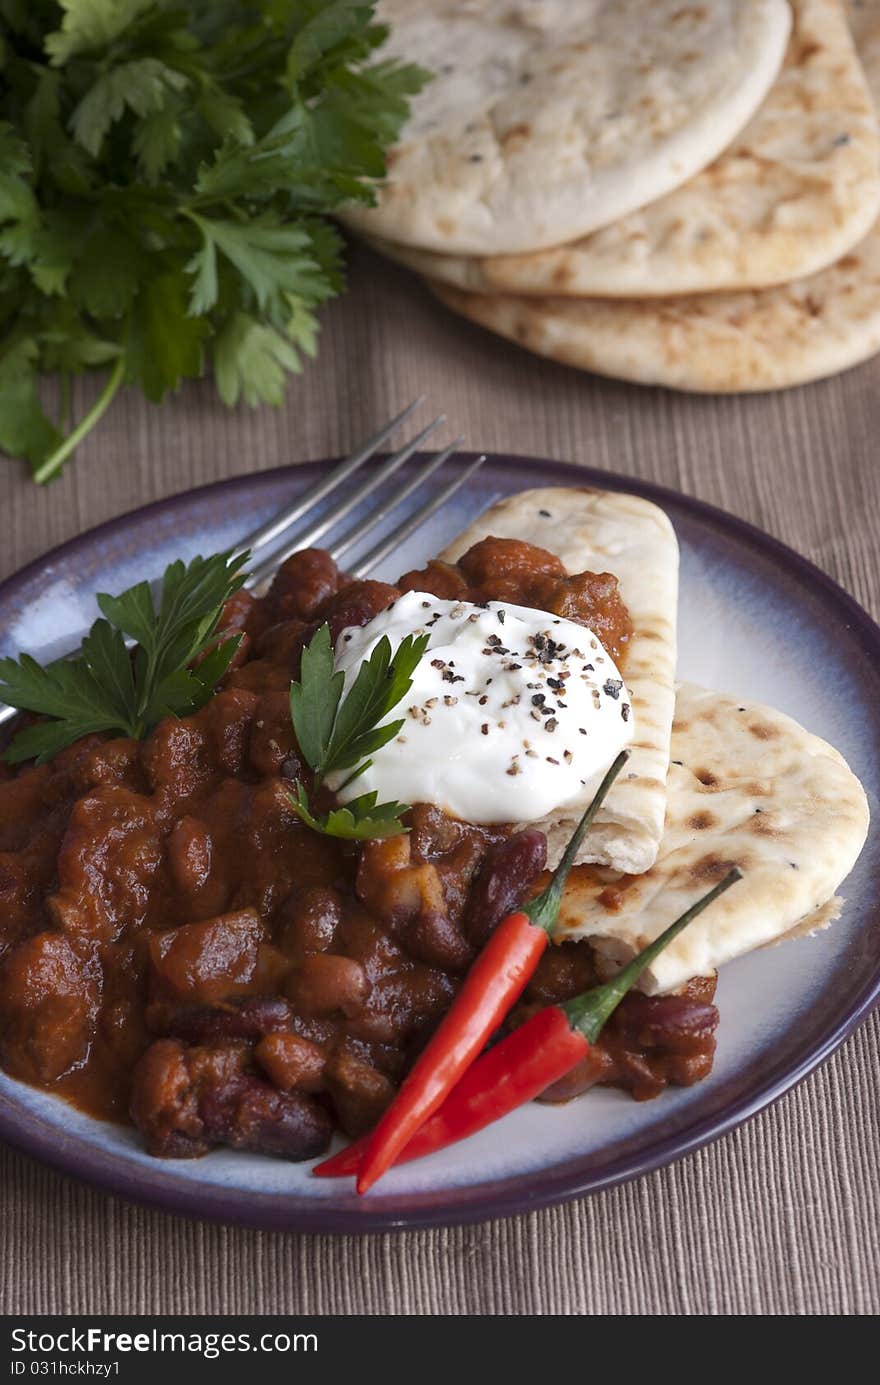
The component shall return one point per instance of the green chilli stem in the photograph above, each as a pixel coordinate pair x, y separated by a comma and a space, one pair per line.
588, 1012
543, 910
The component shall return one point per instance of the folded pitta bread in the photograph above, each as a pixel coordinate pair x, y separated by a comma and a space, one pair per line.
750, 787
712, 343
797, 189
547, 119
602, 531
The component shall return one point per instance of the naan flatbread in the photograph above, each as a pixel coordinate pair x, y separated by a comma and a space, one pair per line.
750, 787
796, 190
602, 531
547, 119
723, 343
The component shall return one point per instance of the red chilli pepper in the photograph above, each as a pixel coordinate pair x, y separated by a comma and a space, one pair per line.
528, 1061
493, 984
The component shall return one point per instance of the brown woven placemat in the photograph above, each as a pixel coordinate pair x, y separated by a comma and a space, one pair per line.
780, 1217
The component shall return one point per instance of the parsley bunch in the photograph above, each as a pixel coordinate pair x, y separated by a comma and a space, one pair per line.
165, 168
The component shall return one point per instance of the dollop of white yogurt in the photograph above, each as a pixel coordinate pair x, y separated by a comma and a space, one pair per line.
512, 713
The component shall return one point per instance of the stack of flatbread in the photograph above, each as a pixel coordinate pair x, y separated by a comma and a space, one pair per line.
712, 781
669, 193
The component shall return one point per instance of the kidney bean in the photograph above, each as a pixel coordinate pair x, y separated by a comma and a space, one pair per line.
253, 1115
229, 717
503, 882
433, 937
672, 1022
325, 983
312, 916
244, 1018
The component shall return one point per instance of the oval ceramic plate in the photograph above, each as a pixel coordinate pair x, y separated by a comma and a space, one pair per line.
755, 620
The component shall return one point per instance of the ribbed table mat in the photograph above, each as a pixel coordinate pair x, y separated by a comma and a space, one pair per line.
780, 1217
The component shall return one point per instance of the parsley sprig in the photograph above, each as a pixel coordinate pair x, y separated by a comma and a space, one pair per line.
107, 688
337, 733
165, 171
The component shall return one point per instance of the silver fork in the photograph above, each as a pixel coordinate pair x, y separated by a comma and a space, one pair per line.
286, 522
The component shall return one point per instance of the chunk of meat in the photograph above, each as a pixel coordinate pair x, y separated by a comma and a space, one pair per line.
209, 961
493, 561
406, 996
280, 648
440, 579
23, 801
410, 898
48, 1007
188, 846
564, 971
262, 850
108, 859
115, 761
19, 906
455, 849
177, 758
303, 583
355, 604
291, 1062
185, 1101
164, 1103
272, 746
593, 599
359, 1092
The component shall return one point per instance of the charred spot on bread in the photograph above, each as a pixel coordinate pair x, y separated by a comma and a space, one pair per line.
763, 730
712, 868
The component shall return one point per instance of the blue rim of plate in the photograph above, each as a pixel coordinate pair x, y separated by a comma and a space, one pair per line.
578, 1177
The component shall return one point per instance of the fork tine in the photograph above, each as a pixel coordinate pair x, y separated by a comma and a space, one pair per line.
276, 526
260, 571
415, 521
359, 531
